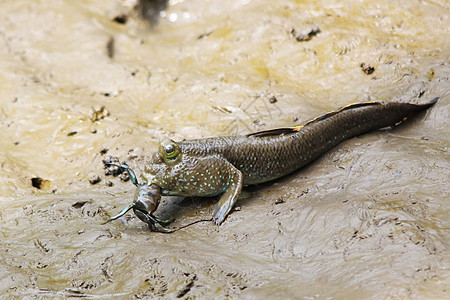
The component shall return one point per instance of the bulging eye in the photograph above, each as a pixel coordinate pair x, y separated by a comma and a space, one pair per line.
169, 150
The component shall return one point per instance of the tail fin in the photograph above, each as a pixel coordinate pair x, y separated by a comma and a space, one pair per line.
425, 105
411, 109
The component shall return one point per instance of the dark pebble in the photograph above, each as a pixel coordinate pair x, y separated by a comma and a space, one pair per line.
279, 201
37, 182
94, 179
366, 68
121, 19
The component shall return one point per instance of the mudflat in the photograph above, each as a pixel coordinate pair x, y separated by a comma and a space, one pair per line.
84, 80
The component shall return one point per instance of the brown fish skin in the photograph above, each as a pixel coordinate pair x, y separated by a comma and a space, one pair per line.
207, 167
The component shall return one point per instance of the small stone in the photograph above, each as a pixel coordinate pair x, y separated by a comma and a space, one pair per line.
279, 200
367, 68
94, 179
124, 176
112, 169
306, 34
273, 99
121, 19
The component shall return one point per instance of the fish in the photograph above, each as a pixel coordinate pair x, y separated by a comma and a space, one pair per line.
223, 165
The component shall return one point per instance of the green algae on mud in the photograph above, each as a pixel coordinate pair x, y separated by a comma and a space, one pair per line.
369, 219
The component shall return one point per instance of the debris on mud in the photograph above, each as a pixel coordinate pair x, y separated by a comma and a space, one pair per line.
305, 34
272, 99
279, 201
111, 169
39, 183
103, 151
367, 68
115, 170
79, 204
121, 19
124, 176
206, 34
94, 179
98, 113
110, 47
151, 9
186, 287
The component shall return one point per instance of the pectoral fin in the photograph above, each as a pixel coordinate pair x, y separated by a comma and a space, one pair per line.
229, 198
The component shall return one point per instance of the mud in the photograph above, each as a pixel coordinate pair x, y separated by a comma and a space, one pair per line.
82, 80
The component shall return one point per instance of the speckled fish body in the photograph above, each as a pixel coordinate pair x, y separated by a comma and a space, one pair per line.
211, 166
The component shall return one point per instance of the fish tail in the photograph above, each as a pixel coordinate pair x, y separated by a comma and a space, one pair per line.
419, 107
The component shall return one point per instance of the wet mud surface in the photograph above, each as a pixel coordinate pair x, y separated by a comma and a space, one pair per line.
369, 219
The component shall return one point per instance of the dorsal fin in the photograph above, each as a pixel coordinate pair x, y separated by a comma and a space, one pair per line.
272, 132
338, 110
286, 130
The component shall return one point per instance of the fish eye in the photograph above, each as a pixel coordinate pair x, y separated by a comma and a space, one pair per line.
169, 150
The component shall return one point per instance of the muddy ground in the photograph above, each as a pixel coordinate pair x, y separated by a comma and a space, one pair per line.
82, 80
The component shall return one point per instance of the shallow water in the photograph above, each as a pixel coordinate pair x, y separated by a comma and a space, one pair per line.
368, 220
